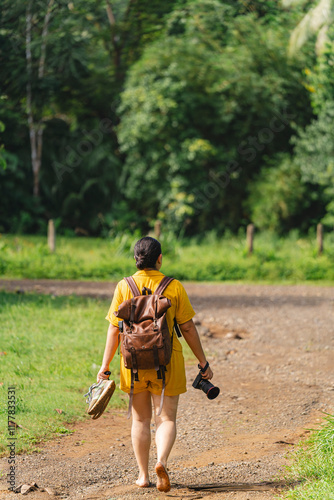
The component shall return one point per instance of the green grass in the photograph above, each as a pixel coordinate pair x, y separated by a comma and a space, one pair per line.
314, 465
51, 349
205, 258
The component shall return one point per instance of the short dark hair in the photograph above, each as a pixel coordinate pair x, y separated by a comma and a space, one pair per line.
147, 251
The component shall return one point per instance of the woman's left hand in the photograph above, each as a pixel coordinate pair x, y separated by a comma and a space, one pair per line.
101, 374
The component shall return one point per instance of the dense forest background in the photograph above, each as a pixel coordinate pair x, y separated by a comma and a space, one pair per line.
204, 114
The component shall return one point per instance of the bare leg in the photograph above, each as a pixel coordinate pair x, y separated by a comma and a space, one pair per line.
141, 434
164, 437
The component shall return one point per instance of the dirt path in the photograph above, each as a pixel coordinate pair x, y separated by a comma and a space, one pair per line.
271, 348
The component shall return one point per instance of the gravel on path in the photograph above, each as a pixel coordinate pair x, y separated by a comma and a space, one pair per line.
271, 350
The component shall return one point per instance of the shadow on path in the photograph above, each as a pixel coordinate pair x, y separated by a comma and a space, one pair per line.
226, 487
252, 300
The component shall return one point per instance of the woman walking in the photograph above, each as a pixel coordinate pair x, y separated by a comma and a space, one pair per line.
148, 257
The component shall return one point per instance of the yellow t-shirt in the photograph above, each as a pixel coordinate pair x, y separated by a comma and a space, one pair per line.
180, 309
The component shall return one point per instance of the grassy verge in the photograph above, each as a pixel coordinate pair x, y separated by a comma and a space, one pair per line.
51, 349
314, 465
202, 259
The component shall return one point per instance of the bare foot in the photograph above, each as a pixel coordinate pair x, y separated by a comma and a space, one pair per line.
143, 482
163, 483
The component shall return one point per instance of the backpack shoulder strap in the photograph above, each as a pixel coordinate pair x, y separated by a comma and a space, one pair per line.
163, 285
159, 291
132, 285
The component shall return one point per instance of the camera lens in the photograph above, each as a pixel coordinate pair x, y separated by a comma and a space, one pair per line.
210, 390
213, 392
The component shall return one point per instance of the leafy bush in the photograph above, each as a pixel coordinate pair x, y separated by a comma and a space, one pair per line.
279, 198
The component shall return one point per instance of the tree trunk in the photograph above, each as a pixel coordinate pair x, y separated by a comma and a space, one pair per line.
36, 141
35, 129
36, 150
116, 47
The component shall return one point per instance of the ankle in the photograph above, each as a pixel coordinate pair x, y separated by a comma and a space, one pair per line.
142, 474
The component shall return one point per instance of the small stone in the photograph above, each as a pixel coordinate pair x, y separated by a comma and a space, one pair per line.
26, 488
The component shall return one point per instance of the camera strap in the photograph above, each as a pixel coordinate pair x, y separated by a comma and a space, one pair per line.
203, 370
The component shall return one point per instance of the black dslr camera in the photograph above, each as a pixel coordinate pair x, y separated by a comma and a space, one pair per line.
201, 383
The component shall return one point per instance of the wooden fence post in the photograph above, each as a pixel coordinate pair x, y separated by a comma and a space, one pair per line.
51, 236
157, 229
320, 238
250, 238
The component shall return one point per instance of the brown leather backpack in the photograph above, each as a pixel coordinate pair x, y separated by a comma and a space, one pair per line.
146, 342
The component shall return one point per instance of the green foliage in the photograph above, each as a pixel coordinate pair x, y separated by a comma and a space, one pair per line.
314, 465
205, 258
86, 61
198, 115
314, 156
51, 362
318, 80
313, 150
76, 140
279, 199
314, 23
169, 110
3, 163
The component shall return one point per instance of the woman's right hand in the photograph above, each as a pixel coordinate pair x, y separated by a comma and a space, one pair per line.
208, 374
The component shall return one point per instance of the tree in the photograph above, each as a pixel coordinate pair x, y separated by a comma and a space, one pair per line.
44, 56
207, 94
280, 199
314, 152
199, 112
36, 127
71, 104
315, 22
